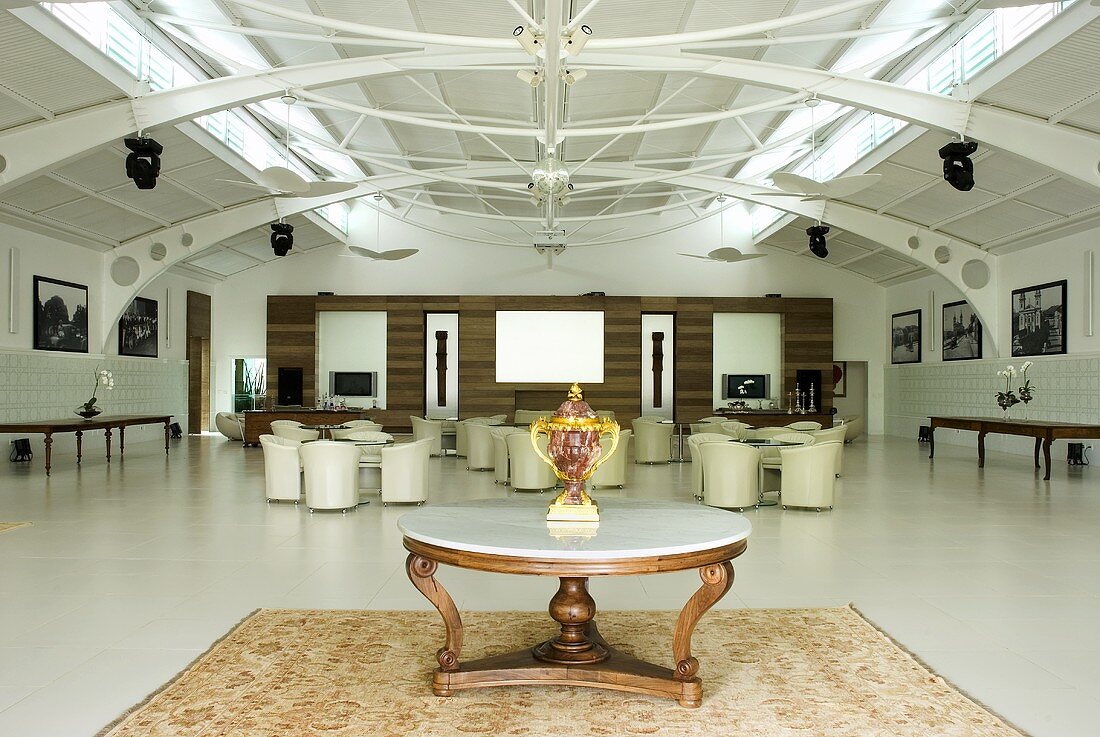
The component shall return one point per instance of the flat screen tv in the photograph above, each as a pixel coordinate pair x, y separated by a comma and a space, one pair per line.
745, 386
353, 383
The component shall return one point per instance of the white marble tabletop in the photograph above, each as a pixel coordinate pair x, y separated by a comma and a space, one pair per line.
627, 529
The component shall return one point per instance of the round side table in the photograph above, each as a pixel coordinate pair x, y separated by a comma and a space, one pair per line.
634, 538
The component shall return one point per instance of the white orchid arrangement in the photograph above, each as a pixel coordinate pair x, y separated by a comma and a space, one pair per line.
1026, 390
103, 378
1007, 398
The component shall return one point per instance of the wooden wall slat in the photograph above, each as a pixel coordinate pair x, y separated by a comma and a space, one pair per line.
292, 337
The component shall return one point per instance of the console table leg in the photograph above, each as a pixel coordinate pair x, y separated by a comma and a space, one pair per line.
421, 572
1038, 444
932, 441
167, 435
717, 581
49, 451
1046, 457
981, 450
80, 443
107, 436
122, 441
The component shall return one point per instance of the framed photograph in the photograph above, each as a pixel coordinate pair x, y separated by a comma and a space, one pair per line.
840, 378
60, 316
962, 332
1039, 320
137, 329
905, 334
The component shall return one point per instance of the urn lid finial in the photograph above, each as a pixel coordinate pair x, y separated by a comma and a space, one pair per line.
575, 393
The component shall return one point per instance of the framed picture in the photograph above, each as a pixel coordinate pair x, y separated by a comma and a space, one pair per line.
905, 334
840, 378
137, 329
1039, 320
60, 316
962, 332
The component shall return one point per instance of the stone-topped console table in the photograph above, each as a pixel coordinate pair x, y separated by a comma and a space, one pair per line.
634, 537
257, 422
772, 417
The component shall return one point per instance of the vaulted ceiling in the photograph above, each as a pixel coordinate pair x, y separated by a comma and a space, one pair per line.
440, 117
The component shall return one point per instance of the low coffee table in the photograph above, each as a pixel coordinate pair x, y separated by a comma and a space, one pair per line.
634, 537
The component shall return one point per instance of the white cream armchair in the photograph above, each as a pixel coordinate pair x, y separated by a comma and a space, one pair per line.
731, 473
693, 442
282, 469
833, 435
528, 471
331, 472
230, 425
612, 472
356, 426
405, 472
292, 430
461, 440
809, 477
500, 433
428, 430
479, 447
804, 426
652, 442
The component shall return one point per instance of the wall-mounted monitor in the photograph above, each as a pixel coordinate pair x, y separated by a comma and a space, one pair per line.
353, 383
745, 386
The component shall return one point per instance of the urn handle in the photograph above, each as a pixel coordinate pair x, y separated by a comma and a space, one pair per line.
607, 427
539, 427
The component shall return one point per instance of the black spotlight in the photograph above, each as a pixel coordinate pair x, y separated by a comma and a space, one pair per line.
958, 169
282, 238
818, 246
143, 161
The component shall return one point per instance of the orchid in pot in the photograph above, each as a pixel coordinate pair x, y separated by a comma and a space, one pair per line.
1027, 391
1007, 398
103, 378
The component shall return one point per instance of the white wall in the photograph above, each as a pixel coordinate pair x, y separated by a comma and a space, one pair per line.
748, 343
648, 266
447, 321
42, 385
352, 341
854, 401
1068, 386
658, 324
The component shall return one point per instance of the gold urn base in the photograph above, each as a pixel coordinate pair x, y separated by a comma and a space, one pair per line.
561, 512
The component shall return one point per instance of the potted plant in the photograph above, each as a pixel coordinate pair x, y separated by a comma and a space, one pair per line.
103, 378
1007, 398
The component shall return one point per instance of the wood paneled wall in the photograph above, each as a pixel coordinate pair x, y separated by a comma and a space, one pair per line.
292, 341
198, 362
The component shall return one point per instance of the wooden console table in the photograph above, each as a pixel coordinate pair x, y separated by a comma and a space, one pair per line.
257, 422
79, 426
635, 537
1044, 432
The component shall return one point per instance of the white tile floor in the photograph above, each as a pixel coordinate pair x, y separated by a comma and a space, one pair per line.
131, 570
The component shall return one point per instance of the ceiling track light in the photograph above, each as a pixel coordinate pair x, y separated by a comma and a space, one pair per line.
143, 161
533, 78
573, 43
958, 169
818, 245
572, 76
282, 238
528, 39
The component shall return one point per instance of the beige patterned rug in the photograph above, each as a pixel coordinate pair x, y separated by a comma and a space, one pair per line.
5, 526
766, 673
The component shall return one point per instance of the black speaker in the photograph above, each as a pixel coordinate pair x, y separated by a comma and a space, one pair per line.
21, 451
1077, 455
290, 386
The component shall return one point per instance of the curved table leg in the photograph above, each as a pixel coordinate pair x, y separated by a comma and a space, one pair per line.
1046, 456
717, 581
421, 572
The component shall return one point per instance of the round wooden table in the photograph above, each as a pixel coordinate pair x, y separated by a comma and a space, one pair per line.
634, 537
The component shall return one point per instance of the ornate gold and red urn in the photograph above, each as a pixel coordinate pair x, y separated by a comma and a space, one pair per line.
574, 452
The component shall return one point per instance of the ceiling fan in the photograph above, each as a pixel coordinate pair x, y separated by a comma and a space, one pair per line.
281, 181
997, 4
395, 254
811, 190
724, 254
